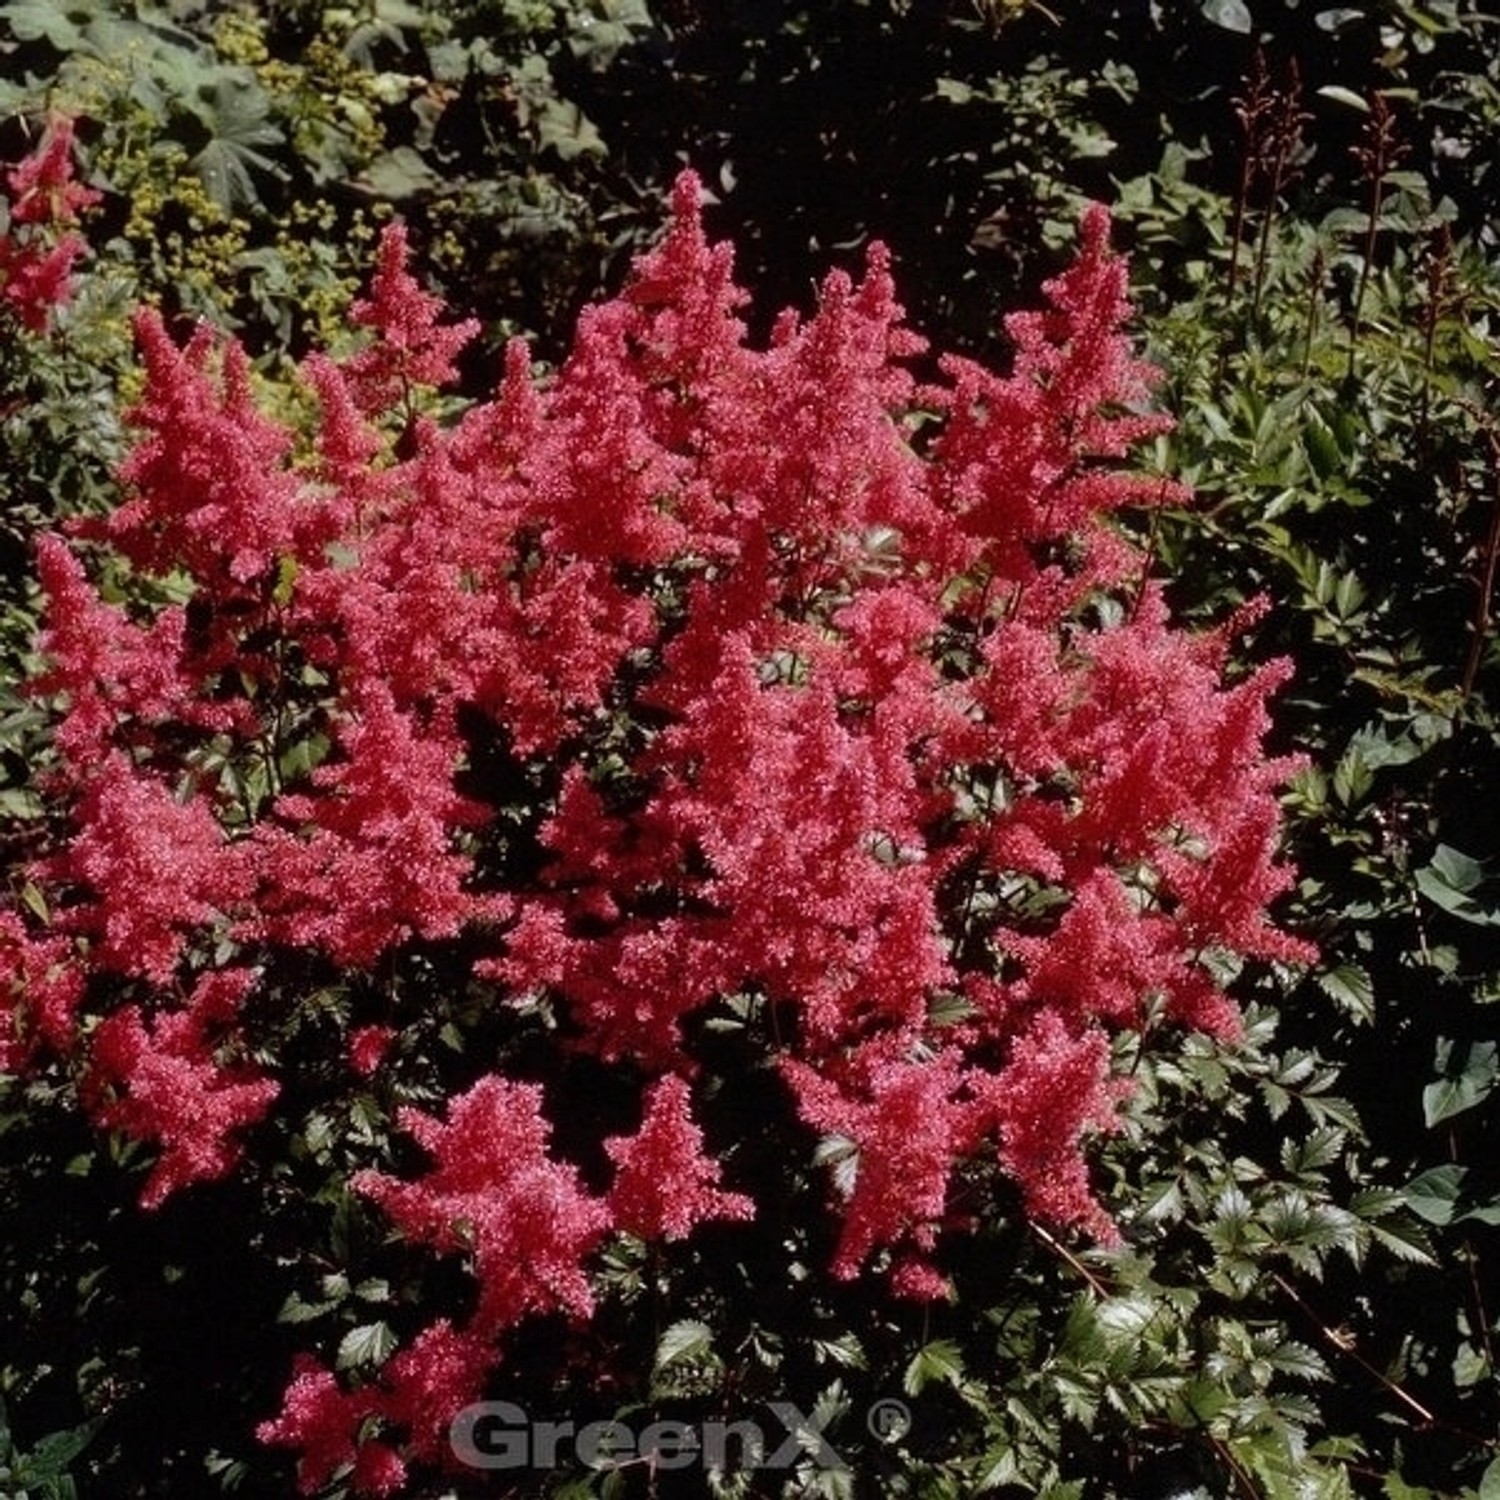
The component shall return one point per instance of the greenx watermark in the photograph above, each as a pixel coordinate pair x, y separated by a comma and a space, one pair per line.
501, 1435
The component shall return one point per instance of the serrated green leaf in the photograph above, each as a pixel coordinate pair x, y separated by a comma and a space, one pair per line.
58, 1449
368, 1345
845, 1350
1396, 1488
941, 1361
296, 1310
1350, 987
1299, 1361
685, 1340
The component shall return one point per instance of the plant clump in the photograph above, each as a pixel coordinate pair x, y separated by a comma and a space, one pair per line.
699, 715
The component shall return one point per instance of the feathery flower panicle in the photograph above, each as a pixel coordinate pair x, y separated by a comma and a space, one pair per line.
905, 1127
364, 859
42, 187
119, 681
424, 1385
1054, 1089
209, 486
410, 347
326, 1424
40, 992
497, 1194
159, 1081
38, 251
159, 869
664, 1185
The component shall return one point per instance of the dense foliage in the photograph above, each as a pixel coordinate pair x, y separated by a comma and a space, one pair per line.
806, 797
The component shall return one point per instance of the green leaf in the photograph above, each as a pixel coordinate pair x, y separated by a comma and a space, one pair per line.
1489, 1481
400, 174
564, 128
941, 1361
34, 901
841, 1155
1432, 1195
1340, 95
687, 1340
235, 112
61, 25
1448, 882
1299, 1361
58, 1449
1339, 19
369, 1344
1232, 15
297, 1310
1467, 1072
845, 1350
1485, 1213
1350, 987
1396, 1488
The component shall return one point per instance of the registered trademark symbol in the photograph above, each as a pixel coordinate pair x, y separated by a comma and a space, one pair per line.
889, 1420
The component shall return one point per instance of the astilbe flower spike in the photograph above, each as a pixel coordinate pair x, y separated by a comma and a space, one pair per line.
496, 1192
664, 1185
159, 1080
39, 250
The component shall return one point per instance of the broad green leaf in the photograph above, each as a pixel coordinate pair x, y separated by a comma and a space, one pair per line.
1485, 1213
1432, 1195
563, 127
1489, 1481
58, 1449
1448, 882
61, 25
1468, 1072
234, 110
400, 174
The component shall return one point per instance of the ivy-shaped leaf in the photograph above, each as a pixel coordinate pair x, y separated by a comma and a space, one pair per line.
1449, 882
1466, 1074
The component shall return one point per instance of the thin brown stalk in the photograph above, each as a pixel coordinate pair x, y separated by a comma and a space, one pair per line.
1439, 292
1377, 152
1252, 110
1285, 143
1058, 1248
1344, 1344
